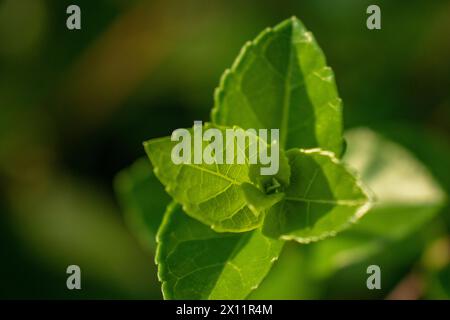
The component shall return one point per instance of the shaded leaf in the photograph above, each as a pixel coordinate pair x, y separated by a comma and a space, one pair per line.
322, 199
406, 198
194, 262
143, 200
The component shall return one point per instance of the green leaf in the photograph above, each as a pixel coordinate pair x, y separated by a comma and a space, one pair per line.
391, 171
322, 199
211, 193
143, 200
194, 262
257, 200
281, 80
406, 195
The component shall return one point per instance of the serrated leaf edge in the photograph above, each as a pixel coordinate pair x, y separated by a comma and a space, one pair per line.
244, 50
360, 212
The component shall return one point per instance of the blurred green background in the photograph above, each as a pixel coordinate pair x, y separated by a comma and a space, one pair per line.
75, 107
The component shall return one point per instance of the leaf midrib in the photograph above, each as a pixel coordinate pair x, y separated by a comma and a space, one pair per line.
213, 173
287, 94
343, 202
